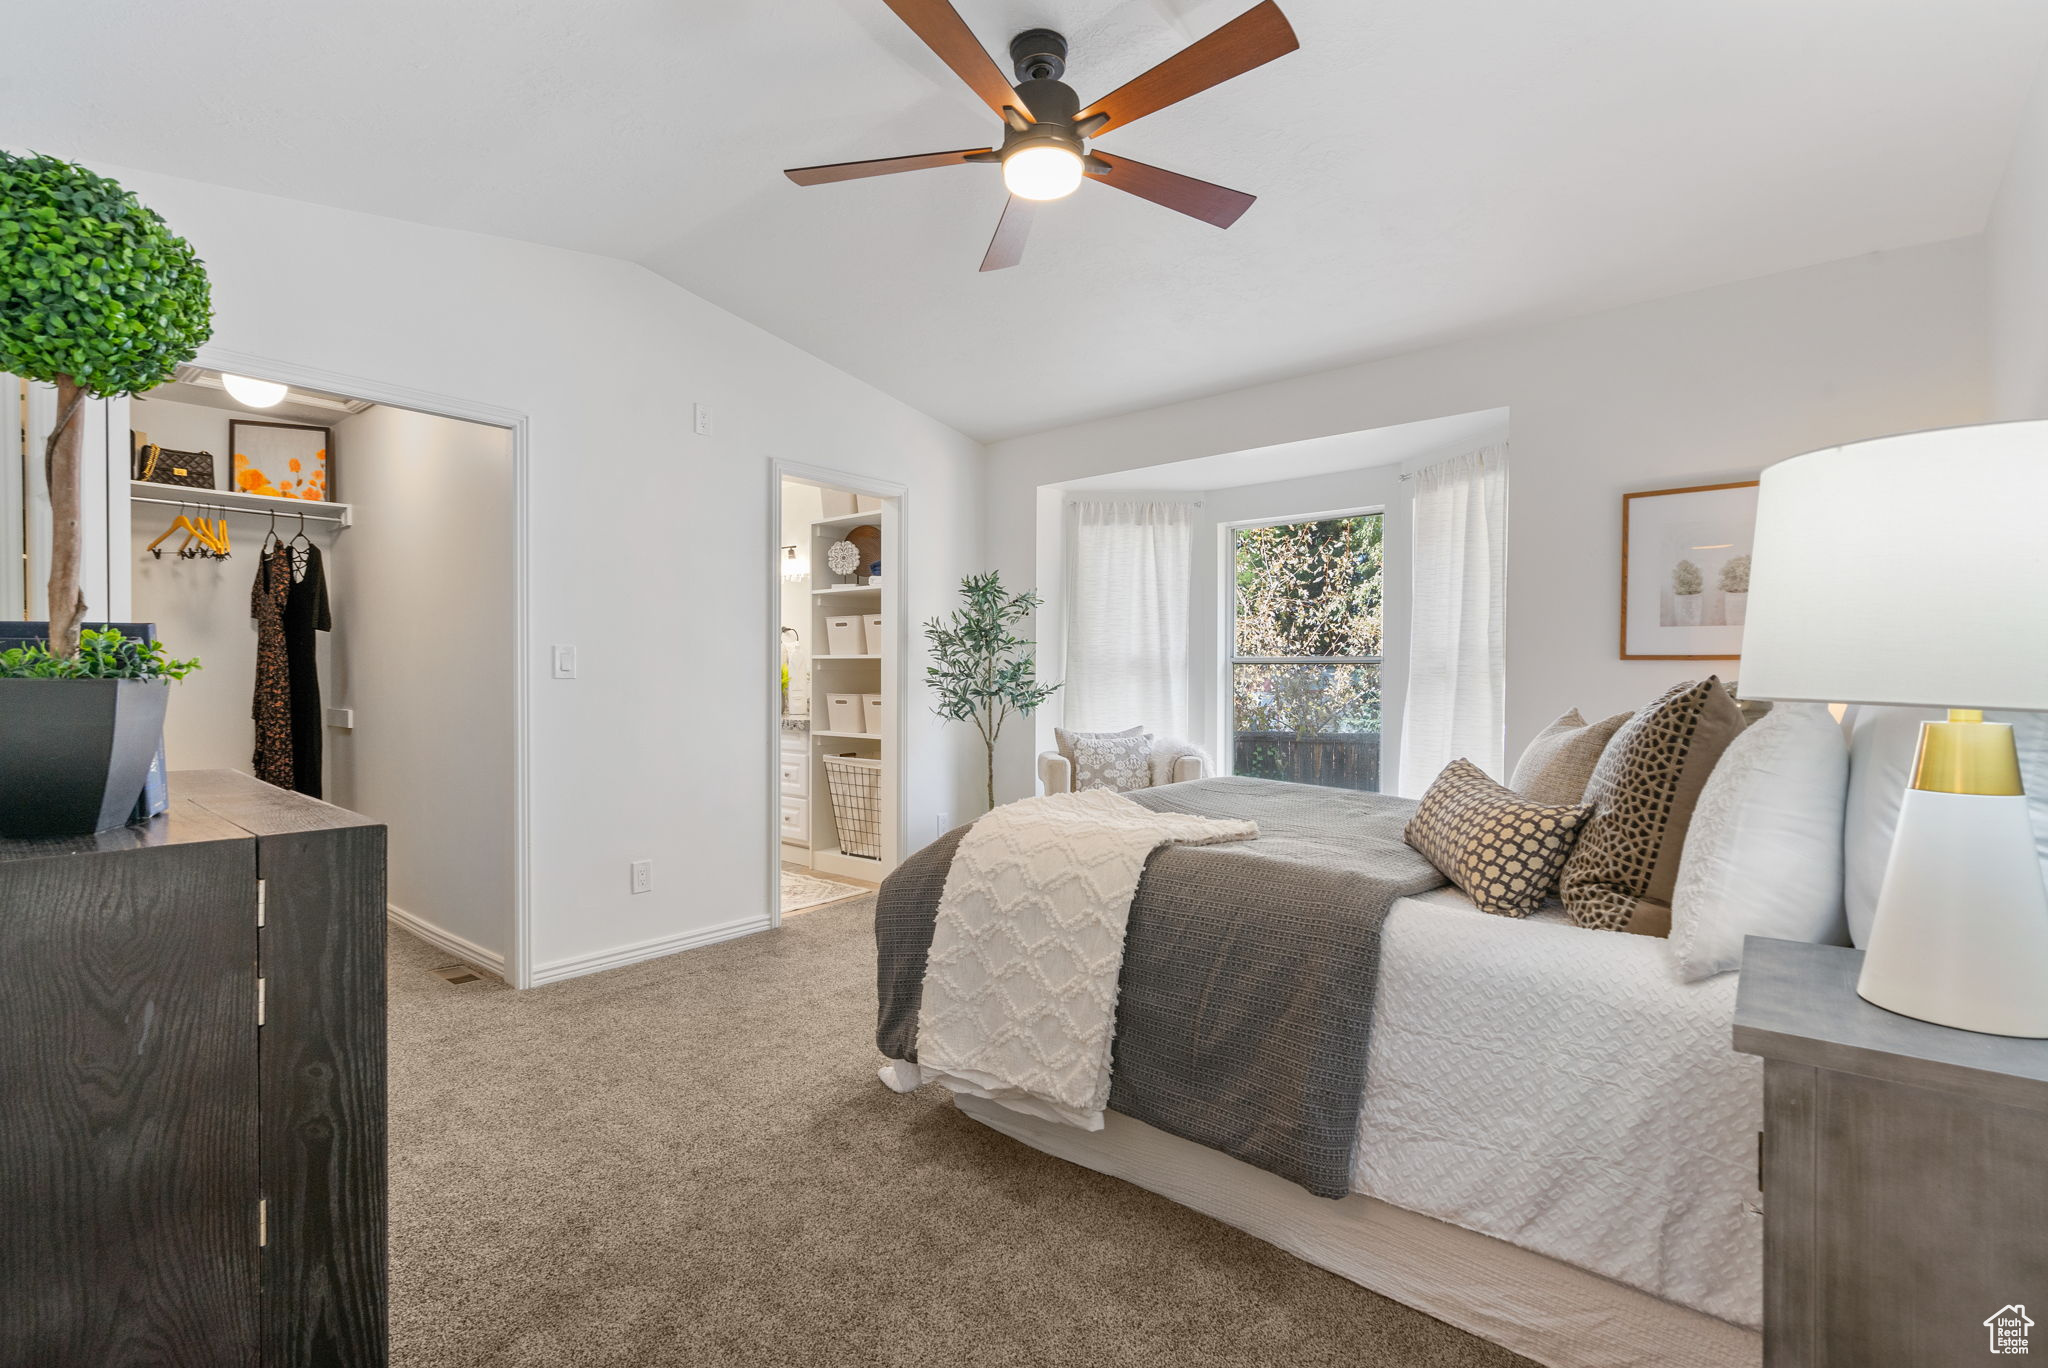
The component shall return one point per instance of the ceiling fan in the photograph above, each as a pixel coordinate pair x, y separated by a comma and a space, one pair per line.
1044, 152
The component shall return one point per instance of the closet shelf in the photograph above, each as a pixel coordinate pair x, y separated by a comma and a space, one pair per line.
846, 657
149, 492
847, 520
849, 736
835, 589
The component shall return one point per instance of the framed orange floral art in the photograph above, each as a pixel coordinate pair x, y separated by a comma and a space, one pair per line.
284, 460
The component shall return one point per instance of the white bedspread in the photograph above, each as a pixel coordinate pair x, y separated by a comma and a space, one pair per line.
1560, 1089
1020, 990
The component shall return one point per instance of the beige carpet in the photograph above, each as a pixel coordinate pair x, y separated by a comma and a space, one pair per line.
690, 1162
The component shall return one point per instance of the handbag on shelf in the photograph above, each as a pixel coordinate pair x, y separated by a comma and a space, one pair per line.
160, 465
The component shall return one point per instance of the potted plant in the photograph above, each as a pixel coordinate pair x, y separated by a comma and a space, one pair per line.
1735, 590
981, 670
1686, 586
78, 732
99, 298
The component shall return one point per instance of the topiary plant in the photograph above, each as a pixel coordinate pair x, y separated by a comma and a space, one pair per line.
1735, 575
100, 298
1686, 578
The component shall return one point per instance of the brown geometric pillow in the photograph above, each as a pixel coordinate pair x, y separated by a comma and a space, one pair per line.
1642, 793
1502, 849
1555, 767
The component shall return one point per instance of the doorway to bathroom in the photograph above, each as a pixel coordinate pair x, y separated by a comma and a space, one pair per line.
835, 686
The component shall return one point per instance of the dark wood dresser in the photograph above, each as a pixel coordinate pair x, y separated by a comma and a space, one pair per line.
192, 1165
1905, 1174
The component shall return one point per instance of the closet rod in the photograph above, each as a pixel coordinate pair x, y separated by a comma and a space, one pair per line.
338, 514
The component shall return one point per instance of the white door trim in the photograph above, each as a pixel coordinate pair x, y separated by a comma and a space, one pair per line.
895, 604
520, 966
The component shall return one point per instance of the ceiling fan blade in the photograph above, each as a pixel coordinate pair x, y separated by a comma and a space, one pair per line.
1252, 39
1196, 198
947, 34
839, 171
1006, 248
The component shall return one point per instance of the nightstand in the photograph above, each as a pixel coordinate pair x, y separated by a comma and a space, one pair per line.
1905, 1172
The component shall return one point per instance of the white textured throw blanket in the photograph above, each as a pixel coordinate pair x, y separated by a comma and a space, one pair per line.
1020, 991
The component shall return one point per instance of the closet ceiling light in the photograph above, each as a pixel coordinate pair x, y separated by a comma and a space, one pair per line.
254, 393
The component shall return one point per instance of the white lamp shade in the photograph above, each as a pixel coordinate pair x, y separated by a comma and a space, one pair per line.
1904, 570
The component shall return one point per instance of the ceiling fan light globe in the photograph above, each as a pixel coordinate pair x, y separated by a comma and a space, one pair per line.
252, 393
1042, 172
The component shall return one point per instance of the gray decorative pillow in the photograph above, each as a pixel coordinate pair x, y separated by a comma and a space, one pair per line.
1118, 763
1064, 741
1556, 765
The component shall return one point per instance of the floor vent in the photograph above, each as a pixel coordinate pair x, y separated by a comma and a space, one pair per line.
458, 973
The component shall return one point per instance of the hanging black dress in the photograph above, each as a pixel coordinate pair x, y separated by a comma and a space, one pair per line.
272, 705
305, 612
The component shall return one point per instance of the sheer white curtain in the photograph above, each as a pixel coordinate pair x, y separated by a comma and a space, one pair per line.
1127, 615
1457, 640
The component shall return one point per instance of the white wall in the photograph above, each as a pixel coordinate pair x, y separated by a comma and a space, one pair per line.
2017, 240
201, 607
1700, 387
422, 593
646, 541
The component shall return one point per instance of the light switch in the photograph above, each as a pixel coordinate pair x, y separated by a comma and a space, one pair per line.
565, 662
701, 413
341, 719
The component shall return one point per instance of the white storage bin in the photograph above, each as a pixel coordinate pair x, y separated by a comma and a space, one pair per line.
871, 626
842, 713
871, 714
843, 637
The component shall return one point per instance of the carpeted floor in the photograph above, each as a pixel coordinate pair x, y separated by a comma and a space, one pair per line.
690, 1162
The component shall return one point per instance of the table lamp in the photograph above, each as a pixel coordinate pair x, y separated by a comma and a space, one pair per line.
1913, 570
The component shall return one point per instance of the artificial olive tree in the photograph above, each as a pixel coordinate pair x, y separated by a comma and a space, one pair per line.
981, 671
100, 298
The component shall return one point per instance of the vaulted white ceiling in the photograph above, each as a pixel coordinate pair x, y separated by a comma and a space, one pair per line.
1426, 169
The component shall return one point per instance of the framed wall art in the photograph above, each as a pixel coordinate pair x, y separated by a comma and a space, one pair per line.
1685, 571
284, 460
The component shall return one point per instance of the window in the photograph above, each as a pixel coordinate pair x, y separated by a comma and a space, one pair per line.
1305, 652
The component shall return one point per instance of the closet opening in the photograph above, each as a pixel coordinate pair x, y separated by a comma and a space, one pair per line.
347, 571
835, 687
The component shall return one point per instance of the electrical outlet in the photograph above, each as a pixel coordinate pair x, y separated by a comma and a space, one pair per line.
701, 415
565, 662
944, 824
643, 876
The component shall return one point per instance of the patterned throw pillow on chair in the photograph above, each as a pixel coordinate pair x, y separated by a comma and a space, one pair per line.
1117, 763
1501, 849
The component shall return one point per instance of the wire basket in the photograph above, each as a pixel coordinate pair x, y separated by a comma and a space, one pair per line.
856, 786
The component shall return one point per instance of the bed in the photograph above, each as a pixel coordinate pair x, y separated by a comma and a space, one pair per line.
1556, 1150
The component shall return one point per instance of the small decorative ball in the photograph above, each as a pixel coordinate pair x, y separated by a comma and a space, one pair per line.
843, 557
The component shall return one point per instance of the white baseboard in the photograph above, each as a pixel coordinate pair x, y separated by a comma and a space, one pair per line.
577, 965
468, 951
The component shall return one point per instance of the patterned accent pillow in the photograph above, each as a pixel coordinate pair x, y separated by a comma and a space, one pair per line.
1502, 849
1642, 793
1555, 766
1064, 741
1117, 763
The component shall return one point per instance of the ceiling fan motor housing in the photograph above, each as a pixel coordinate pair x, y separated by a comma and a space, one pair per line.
1038, 55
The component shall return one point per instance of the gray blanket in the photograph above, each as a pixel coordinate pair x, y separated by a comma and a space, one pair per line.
1246, 1000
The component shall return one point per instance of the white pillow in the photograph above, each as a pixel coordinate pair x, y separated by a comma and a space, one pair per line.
1763, 856
1883, 742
